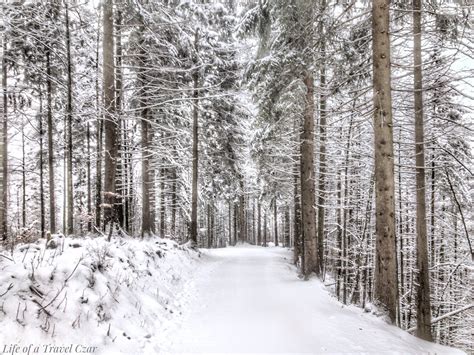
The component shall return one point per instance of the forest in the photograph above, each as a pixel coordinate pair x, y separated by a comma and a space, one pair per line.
336, 134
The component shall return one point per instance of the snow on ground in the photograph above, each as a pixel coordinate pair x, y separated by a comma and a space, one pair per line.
90, 296
249, 300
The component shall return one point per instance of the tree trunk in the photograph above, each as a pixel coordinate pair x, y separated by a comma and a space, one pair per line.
110, 123
69, 182
259, 223
264, 229
297, 238
423, 304
146, 212
23, 178
322, 150
386, 287
287, 226
162, 203
41, 163
311, 263
275, 221
174, 201
4, 147
52, 184
195, 137
99, 134
119, 209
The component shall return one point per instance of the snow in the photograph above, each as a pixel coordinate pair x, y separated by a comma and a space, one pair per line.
154, 296
249, 300
98, 297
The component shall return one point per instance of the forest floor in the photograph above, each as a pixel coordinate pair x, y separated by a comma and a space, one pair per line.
249, 299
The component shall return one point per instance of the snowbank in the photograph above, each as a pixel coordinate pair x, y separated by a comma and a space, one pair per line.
89, 296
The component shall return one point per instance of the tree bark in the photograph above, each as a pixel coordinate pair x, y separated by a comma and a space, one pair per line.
423, 305
99, 134
275, 221
386, 287
195, 137
41, 163
322, 151
311, 263
110, 123
4, 146
52, 184
259, 223
69, 182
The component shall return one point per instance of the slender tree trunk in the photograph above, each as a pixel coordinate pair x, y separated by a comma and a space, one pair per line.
69, 182
121, 161
110, 123
264, 229
423, 304
162, 204
152, 175
287, 226
4, 146
259, 223
174, 201
52, 184
195, 137
41, 164
23, 178
235, 224
297, 238
386, 287
146, 212
311, 263
275, 221
99, 134
322, 151
242, 224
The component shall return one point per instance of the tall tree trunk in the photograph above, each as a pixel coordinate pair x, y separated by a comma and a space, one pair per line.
322, 148
23, 178
41, 163
110, 123
89, 178
423, 304
69, 182
51, 177
235, 224
99, 135
275, 221
145, 126
4, 146
195, 137
242, 221
297, 238
120, 163
162, 203
386, 287
311, 263
174, 201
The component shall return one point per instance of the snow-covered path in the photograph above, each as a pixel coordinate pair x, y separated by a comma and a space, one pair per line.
249, 300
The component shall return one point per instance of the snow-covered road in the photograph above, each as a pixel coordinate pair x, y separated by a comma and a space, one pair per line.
249, 300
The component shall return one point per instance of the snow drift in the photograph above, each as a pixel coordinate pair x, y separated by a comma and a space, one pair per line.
88, 295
